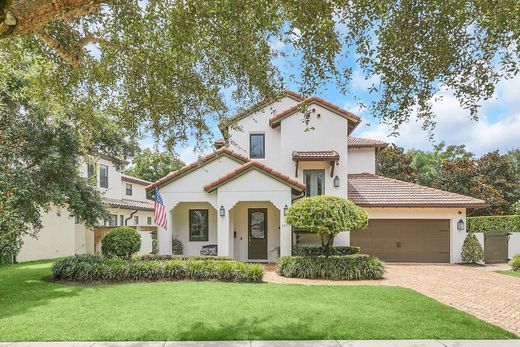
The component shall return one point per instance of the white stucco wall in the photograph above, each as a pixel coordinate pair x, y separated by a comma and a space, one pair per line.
189, 188
138, 191
514, 244
258, 123
329, 133
56, 239
361, 160
456, 237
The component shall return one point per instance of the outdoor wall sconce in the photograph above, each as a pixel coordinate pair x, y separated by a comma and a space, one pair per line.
222, 211
460, 225
285, 209
336, 181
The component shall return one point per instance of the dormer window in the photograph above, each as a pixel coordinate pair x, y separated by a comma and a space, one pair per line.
257, 146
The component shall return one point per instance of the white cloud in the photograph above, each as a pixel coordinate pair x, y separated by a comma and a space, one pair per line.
359, 82
189, 154
455, 126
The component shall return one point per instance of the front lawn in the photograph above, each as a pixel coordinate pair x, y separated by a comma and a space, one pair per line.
33, 309
509, 273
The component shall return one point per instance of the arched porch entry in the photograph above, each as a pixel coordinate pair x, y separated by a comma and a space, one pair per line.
256, 231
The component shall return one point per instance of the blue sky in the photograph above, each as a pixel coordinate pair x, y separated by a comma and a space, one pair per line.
498, 126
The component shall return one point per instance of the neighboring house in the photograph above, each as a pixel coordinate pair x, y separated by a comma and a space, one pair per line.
237, 197
61, 235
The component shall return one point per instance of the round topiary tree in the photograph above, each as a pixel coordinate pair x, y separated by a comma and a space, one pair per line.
121, 242
472, 251
326, 216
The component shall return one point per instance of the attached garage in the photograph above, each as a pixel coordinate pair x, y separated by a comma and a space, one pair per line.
412, 240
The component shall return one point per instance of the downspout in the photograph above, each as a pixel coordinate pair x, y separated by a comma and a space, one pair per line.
131, 216
298, 197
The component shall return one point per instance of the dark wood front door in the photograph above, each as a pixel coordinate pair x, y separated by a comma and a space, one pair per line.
257, 233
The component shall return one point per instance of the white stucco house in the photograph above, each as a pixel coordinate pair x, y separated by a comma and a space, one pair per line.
125, 195
236, 197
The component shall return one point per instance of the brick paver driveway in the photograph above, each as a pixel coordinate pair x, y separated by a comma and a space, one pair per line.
479, 291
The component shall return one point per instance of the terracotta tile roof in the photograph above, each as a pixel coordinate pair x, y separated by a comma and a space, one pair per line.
315, 155
354, 120
218, 144
359, 142
254, 165
130, 204
190, 167
368, 190
135, 180
244, 113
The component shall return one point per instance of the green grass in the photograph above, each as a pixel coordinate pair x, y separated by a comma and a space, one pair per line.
509, 273
34, 309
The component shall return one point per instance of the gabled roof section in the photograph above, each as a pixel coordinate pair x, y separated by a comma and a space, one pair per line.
130, 204
132, 179
368, 190
224, 151
254, 165
352, 118
359, 142
257, 107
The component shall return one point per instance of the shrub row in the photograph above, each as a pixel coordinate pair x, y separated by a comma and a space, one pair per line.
184, 257
93, 268
493, 223
347, 267
319, 250
515, 262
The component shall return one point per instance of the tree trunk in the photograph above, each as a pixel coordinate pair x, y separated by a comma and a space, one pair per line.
22, 16
330, 240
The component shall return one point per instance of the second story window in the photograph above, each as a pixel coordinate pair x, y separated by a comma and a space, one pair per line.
103, 176
314, 182
91, 173
136, 220
149, 220
128, 189
257, 146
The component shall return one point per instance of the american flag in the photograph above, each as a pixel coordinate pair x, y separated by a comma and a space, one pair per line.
158, 209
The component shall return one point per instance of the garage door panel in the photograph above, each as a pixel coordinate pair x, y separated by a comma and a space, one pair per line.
415, 240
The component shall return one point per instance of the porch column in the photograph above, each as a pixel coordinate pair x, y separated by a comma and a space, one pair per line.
223, 234
285, 236
164, 236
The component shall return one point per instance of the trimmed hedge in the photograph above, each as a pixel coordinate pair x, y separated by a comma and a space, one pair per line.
515, 263
493, 223
347, 267
96, 268
184, 257
121, 242
314, 251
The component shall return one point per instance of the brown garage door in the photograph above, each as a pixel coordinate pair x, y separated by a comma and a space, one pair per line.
415, 240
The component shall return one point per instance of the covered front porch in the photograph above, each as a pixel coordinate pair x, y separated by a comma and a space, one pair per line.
249, 230
242, 214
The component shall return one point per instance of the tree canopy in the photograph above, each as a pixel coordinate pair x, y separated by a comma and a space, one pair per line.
169, 66
40, 149
493, 177
151, 166
326, 216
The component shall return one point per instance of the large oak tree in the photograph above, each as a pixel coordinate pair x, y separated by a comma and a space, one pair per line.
168, 66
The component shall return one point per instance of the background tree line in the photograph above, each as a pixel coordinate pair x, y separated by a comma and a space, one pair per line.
492, 177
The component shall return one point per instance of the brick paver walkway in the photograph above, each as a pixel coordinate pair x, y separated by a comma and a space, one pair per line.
479, 291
